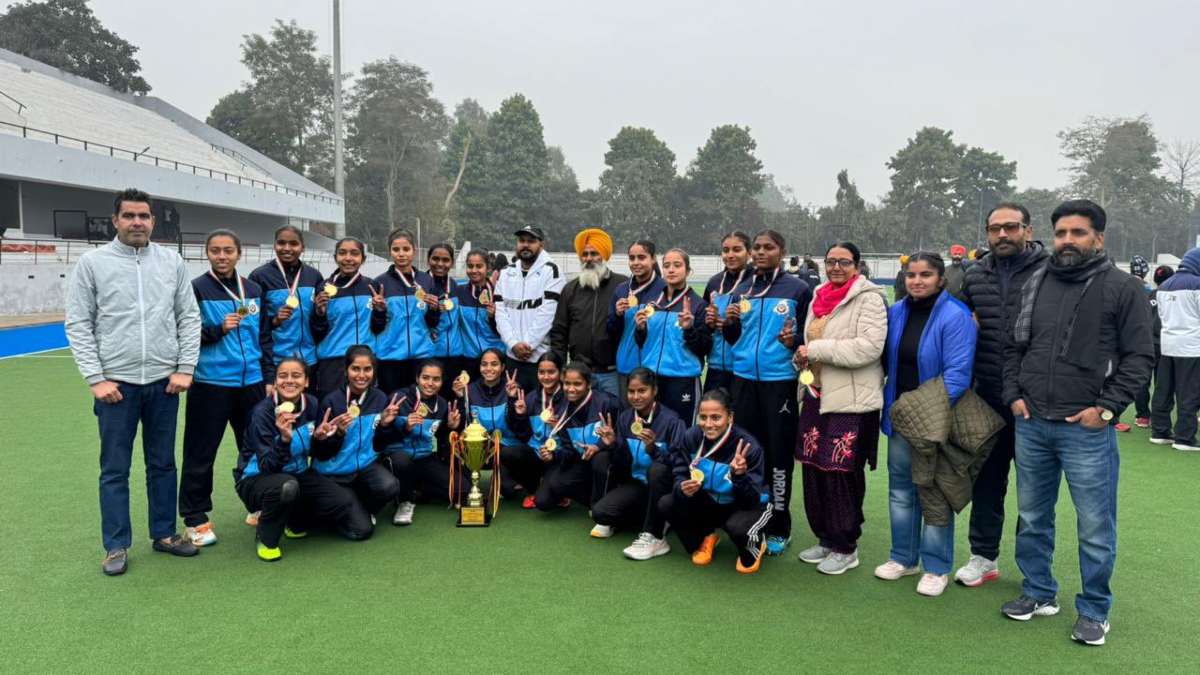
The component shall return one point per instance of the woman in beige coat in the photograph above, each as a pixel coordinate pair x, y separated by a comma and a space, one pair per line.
841, 384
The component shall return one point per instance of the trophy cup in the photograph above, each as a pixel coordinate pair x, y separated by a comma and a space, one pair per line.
474, 449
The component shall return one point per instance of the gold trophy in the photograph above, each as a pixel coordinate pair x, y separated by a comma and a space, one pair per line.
474, 450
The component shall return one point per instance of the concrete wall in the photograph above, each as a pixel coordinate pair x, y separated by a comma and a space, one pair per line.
45, 162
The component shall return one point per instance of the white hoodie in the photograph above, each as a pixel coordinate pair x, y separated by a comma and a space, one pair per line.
526, 302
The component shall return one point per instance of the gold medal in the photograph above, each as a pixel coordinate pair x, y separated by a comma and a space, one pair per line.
807, 377
353, 411
649, 311
546, 415
285, 407
419, 294
745, 306
331, 290
485, 298
243, 310
447, 305
465, 378
632, 300
697, 475
551, 445
637, 427
423, 410
292, 301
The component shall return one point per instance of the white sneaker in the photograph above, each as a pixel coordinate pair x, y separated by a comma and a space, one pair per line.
892, 570
1162, 441
404, 513
1185, 447
932, 585
202, 535
602, 531
647, 546
977, 571
814, 554
837, 563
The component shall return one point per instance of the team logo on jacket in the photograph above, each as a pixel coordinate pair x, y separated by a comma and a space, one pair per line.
781, 307
433, 428
252, 307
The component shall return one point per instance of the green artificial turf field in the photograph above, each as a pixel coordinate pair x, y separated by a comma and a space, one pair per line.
533, 593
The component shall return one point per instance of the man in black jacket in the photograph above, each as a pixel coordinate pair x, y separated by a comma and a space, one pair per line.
992, 290
579, 331
1080, 351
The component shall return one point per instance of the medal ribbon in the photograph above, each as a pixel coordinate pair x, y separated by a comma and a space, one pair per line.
475, 290
275, 398
639, 289
670, 304
700, 454
359, 402
548, 403
721, 290
240, 298
404, 280
562, 423
649, 418
751, 296
417, 395
296, 282
348, 283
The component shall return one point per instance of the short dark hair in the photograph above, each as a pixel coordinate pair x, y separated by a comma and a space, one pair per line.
448, 247
720, 395
399, 233
224, 232
131, 195
849, 246
1025, 217
553, 357
356, 351
740, 236
290, 228
1081, 207
362, 248
431, 363
580, 368
775, 237
643, 375
934, 260
483, 253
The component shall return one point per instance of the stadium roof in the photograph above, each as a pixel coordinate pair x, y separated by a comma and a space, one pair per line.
59, 128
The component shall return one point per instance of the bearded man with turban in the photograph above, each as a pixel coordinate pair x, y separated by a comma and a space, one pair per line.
956, 271
579, 332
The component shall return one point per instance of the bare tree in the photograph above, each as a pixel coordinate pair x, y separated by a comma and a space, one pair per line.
1182, 164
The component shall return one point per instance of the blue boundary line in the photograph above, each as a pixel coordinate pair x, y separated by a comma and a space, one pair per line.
26, 340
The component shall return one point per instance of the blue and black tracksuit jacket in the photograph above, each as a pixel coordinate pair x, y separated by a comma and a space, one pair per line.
348, 319
490, 405
621, 328
293, 338
477, 331
580, 431
267, 453
409, 323
345, 455
630, 454
418, 442
529, 428
758, 355
242, 356
447, 333
720, 355
747, 491
670, 350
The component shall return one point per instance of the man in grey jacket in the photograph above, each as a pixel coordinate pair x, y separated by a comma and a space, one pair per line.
134, 329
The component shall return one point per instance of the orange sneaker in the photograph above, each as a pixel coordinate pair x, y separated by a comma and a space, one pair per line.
742, 569
703, 555
528, 502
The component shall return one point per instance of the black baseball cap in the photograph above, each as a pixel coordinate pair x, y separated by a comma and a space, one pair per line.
532, 231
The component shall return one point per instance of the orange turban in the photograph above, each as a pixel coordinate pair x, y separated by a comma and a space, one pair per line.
958, 250
595, 237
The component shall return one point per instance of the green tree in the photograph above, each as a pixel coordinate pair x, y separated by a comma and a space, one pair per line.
1040, 203
67, 35
924, 175
724, 181
636, 187
984, 180
394, 137
515, 172
462, 166
562, 206
285, 111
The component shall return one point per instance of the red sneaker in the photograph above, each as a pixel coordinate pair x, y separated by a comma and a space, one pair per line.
528, 502
1142, 423
564, 503
1122, 427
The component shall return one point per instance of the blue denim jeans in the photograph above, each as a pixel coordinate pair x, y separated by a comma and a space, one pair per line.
912, 540
1046, 450
607, 383
157, 411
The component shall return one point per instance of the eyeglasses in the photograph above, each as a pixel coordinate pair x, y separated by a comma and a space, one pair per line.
1009, 228
844, 262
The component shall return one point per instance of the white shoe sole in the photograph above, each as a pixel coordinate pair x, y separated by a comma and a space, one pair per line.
1041, 611
845, 569
662, 551
990, 575
907, 572
1184, 448
1094, 643
811, 561
1162, 441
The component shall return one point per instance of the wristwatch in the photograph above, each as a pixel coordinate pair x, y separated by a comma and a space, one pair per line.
1106, 414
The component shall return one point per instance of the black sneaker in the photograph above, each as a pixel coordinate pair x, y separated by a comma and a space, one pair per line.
176, 545
1025, 608
1089, 632
116, 562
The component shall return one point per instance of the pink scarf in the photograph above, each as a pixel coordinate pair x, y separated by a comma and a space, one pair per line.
829, 296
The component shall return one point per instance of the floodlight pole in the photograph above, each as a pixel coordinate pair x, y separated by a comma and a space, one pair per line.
339, 170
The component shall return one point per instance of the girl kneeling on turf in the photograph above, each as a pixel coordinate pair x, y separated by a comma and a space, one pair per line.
416, 459
633, 467
571, 442
488, 401
718, 483
274, 478
530, 417
349, 457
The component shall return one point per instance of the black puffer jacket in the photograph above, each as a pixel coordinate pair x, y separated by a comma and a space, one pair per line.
992, 291
579, 330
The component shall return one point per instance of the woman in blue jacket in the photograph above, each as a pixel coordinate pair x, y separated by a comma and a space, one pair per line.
288, 287
762, 326
235, 351
531, 415
930, 334
348, 310
672, 337
644, 285
274, 478
487, 400
406, 338
476, 313
735, 254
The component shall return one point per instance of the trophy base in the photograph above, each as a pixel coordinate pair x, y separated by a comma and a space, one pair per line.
473, 516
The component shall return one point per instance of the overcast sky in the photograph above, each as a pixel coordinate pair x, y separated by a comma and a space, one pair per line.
822, 87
